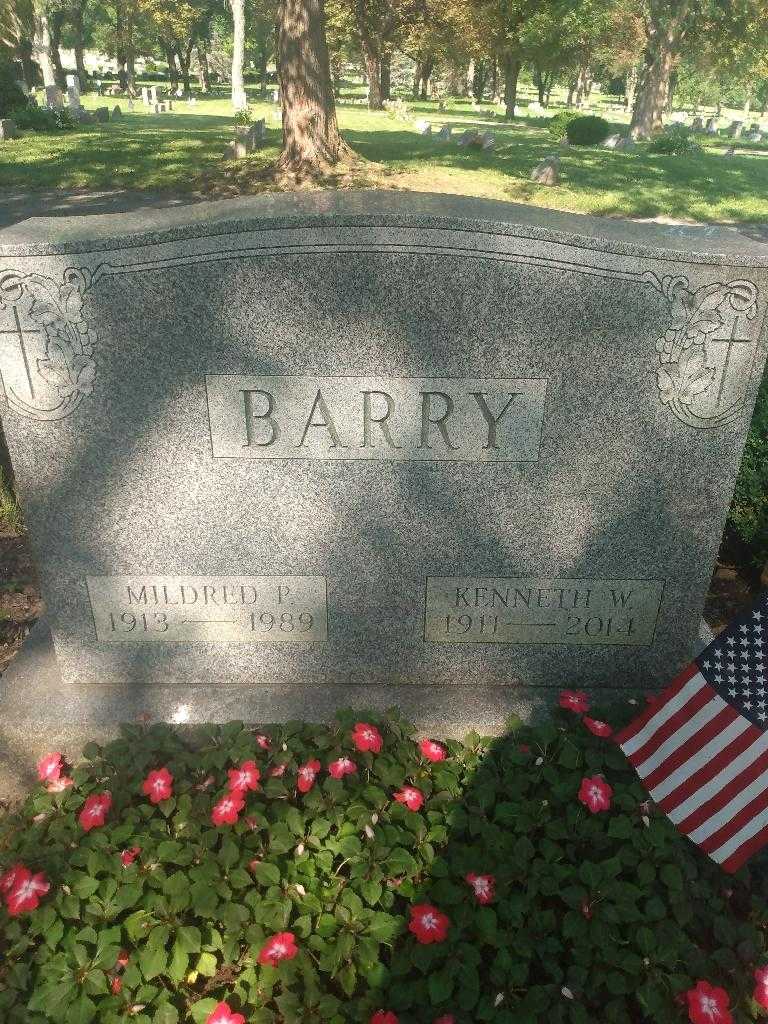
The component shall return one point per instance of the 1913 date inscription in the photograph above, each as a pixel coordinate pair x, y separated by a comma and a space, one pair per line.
534, 610
212, 609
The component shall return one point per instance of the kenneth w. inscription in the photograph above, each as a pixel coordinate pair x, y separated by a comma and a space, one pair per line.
402, 418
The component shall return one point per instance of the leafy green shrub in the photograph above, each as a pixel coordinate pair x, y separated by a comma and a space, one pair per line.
41, 119
310, 905
676, 140
587, 131
558, 124
11, 95
749, 509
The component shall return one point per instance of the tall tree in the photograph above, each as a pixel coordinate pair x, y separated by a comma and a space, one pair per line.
239, 98
312, 143
666, 23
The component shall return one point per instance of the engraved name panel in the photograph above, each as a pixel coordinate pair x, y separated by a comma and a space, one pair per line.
536, 610
386, 418
212, 609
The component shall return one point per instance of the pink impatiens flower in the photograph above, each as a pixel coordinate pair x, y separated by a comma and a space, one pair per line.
277, 771
95, 810
26, 892
433, 751
158, 786
11, 877
483, 887
59, 785
367, 737
428, 924
341, 767
410, 796
384, 1017
263, 741
574, 700
224, 1015
595, 793
49, 767
708, 1005
307, 774
244, 778
760, 995
226, 811
597, 727
127, 857
280, 947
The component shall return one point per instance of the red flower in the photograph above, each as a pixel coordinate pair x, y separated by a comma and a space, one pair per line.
280, 947
277, 771
367, 737
49, 767
158, 786
223, 1015
244, 778
760, 995
343, 766
384, 1017
226, 811
433, 751
596, 727
127, 857
524, 748
59, 785
708, 1005
428, 924
122, 958
482, 886
263, 741
595, 793
307, 774
95, 810
574, 700
116, 986
9, 880
410, 796
26, 892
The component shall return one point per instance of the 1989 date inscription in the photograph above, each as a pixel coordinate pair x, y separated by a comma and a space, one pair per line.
214, 609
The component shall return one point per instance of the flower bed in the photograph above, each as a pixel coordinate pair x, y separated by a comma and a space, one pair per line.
350, 873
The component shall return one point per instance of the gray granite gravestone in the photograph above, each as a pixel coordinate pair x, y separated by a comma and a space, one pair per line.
283, 454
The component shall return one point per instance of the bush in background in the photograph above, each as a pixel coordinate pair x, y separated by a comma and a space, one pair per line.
11, 95
286, 873
41, 119
558, 124
587, 131
676, 140
749, 509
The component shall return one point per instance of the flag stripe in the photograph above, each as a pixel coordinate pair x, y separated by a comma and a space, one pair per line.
712, 799
745, 851
749, 832
684, 724
696, 753
748, 813
693, 787
634, 727
728, 809
663, 715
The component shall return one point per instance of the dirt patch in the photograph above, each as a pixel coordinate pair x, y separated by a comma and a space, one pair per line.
20, 604
735, 583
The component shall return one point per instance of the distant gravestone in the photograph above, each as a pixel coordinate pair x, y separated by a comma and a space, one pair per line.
116, 112
101, 114
468, 136
547, 172
444, 135
236, 150
697, 125
627, 143
8, 129
488, 141
73, 92
753, 136
152, 95
735, 128
353, 449
53, 98
145, 96
423, 127
612, 141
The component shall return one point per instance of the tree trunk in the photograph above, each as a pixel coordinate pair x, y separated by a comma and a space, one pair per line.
416, 81
470, 79
27, 65
630, 88
511, 74
426, 73
239, 98
373, 70
173, 71
185, 59
386, 77
130, 76
748, 103
312, 143
41, 47
202, 63
77, 15
661, 48
55, 24
494, 79
263, 62
571, 93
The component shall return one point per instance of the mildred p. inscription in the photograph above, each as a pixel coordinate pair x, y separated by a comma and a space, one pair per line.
534, 610
413, 418
214, 609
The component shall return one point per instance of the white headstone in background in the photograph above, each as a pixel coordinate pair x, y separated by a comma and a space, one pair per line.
73, 92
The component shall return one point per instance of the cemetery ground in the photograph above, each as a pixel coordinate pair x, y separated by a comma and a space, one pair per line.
181, 151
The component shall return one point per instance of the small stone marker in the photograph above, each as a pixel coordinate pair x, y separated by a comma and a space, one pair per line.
612, 141
101, 114
711, 126
444, 135
236, 150
697, 124
73, 92
8, 129
734, 129
53, 99
468, 137
423, 127
548, 171
145, 95
304, 452
488, 140
152, 95
626, 143
116, 112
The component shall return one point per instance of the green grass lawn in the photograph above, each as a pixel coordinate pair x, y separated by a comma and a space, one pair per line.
182, 151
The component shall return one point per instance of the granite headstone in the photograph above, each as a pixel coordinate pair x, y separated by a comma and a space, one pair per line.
282, 454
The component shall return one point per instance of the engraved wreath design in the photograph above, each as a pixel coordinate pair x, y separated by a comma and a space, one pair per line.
56, 310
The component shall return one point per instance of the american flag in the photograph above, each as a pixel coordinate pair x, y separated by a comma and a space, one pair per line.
701, 749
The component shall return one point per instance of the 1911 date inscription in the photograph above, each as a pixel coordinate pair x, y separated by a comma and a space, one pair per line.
211, 609
534, 610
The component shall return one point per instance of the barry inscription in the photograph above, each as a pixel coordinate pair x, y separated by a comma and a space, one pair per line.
213, 609
534, 610
386, 418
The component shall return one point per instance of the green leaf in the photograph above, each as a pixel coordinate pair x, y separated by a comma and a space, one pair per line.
206, 965
152, 961
266, 873
189, 939
202, 1010
166, 1014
